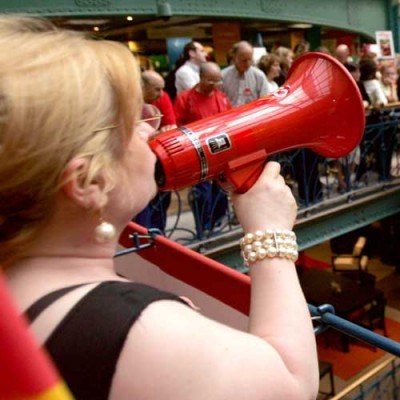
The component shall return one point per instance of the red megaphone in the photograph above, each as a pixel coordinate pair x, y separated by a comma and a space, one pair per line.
319, 107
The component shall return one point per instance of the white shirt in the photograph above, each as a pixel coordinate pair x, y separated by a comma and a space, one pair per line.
272, 86
243, 88
375, 92
186, 76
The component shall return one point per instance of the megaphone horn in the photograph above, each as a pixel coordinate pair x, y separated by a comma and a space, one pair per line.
319, 107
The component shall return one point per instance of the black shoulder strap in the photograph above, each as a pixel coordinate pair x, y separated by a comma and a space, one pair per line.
86, 345
40, 305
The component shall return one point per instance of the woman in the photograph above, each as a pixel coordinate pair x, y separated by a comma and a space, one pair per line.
285, 56
389, 83
75, 168
269, 64
301, 48
368, 70
354, 70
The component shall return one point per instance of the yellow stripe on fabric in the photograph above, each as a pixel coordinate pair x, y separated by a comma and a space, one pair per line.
57, 392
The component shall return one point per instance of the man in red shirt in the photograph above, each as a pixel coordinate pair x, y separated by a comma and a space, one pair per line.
153, 93
208, 202
204, 99
155, 214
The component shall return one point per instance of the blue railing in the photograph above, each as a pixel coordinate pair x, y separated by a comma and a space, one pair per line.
205, 211
325, 317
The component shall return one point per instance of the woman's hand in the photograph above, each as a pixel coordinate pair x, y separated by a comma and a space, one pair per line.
269, 204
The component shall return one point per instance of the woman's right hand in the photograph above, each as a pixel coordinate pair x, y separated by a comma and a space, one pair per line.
268, 204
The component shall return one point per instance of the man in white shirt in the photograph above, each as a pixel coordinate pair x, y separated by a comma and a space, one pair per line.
188, 74
242, 81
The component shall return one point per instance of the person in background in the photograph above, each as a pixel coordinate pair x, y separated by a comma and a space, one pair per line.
368, 70
388, 82
301, 48
153, 93
242, 82
382, 161
204, 99
208, 201
285, 61
342, 53
155, 214
323, 49
346, 166
269, 64
188, 74
75, 167
354, 70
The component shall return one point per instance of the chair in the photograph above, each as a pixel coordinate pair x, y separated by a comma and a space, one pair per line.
356, 262
326, 368
373, 315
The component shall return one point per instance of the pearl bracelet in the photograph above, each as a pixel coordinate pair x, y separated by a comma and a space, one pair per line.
270, 243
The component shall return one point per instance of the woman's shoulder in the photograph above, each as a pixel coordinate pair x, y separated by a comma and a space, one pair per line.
187, 351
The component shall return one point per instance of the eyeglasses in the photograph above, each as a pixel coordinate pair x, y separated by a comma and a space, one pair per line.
154, 122
151, 115
105, 128
216, 83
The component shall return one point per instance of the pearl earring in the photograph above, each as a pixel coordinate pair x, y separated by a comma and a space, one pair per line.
104, 232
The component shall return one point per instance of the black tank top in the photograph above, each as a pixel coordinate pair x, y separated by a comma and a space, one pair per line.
86, 344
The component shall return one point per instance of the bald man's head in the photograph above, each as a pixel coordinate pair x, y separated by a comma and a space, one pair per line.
210, 77
242, 56
152, 85
342, 53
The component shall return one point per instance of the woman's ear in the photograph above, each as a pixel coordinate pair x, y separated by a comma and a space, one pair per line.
89, 195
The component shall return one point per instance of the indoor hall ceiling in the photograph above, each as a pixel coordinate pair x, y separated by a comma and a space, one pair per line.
140, 28
120, 28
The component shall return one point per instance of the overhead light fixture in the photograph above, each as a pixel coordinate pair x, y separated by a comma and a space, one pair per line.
300, 26
129, 18
96, 28
84, 21
274, 29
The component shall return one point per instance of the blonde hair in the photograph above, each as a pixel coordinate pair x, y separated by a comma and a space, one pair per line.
62, 95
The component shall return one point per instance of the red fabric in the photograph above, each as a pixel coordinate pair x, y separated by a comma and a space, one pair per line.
191, 105
164, 104
209, 276
25, 369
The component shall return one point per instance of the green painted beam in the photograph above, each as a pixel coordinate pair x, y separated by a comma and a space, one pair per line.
347, 218
360, 16
394, 23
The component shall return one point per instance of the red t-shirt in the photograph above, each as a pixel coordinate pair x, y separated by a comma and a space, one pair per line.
191, 105
164, 104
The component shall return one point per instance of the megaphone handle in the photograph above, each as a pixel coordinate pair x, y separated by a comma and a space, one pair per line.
242, 173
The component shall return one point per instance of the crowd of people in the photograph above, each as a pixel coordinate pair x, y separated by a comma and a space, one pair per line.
196, 93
